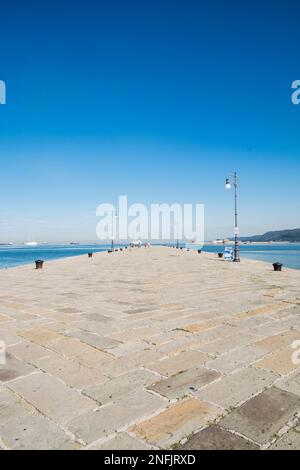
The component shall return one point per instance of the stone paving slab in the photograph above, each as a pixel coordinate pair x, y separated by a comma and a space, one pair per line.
35, 432
224, 345
273, 343
72, 373
122, 385
236, 388
81, 352
52, 397
99, 342
108, 419
178, 363
176, 422
264, 415
280, 362
137, 329
229, 362
216, 438
291, 383
29, 352
182, 384
39, 336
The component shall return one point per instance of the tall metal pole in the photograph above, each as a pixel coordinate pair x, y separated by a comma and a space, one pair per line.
112, 235
177, 243
236, 228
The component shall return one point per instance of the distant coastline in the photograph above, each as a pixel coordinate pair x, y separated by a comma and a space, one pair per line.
278, 236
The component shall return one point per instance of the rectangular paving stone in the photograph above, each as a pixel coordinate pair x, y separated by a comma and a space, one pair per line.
233, 360
228, 343
173, 424
34, 432
124, 411
264, 415
81, 352
216, 438
196, 327
129, 347
218, 332
179, 385
70, 372
28, 352
122, 385
280, 362
39, 336
262, 310
274, 329
278, 341
178, 363
99, 342
14, 368
130, 362
97, 317
50, 396
291, 383
236, 388
140, 333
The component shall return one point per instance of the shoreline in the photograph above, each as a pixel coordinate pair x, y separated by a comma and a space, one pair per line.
83, 255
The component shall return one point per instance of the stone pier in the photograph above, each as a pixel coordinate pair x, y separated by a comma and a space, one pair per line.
150, 348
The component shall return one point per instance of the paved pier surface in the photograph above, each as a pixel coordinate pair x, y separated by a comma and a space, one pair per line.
150, 348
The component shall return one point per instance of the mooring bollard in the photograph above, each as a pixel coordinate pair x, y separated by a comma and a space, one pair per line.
39, 264
220, 255
199, 251
90, 255
109, 251
277, 266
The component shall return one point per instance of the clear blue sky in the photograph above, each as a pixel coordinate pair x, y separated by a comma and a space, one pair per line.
154, 99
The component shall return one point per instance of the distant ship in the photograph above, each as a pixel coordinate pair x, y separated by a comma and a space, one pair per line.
31, 243
74, 243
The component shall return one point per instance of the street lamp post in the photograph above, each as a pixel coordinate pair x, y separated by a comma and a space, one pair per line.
113, 219
177, 242
236, 258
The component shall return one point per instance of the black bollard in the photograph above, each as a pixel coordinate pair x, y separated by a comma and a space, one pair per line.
199, 251
220, 255
277, 266
90, 255
39, 264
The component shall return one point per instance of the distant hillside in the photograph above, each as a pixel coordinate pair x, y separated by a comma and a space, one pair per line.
278, 236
